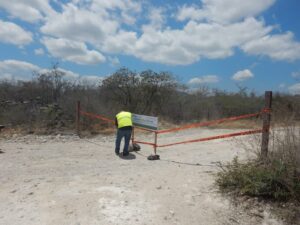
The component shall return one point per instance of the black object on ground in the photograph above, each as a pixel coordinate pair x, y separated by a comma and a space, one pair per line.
153, 157
134, 147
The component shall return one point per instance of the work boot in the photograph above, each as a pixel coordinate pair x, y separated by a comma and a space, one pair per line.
125, 153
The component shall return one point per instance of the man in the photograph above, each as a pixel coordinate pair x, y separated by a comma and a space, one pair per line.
123, 123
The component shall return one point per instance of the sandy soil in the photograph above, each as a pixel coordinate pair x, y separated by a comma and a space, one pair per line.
64, 180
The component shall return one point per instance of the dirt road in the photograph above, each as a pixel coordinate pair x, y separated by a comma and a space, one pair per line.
64, 180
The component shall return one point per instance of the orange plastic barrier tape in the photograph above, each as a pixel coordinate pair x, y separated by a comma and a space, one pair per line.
96, 116
213, 122
266, 110
145, 143
109, 120
214, 137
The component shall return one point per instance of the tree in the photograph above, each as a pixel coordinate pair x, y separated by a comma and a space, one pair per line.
146, 92
51, 84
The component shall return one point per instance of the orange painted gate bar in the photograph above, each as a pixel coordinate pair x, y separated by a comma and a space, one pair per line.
265, 113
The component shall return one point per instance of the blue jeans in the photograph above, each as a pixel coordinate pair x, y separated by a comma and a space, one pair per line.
120, 134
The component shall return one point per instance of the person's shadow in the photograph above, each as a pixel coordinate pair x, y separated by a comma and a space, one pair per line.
128, 157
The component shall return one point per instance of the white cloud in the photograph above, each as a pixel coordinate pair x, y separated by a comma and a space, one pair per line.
114, 61
204, 80
99, 24
213, 31
242, 75
279, 47
195, 41
39, 51
295, 89
29, 10
122, 42
68, 75
91, 80
72, 51
282, 85
125, 5
296, 74
157, 17
19, 70
128, 8
223, 11
94, 24
13, 34
189, 12
80, 24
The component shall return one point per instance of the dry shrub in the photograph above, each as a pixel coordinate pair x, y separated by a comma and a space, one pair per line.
277, 178
240, 124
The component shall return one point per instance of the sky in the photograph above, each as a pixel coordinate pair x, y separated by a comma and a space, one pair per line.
223, 44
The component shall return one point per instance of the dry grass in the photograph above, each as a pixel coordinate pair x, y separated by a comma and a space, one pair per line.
277, 178
240, 124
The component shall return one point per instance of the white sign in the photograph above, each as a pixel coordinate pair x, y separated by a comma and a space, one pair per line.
149, 122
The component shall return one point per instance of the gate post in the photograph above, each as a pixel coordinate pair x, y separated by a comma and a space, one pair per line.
266, 125
78, 118
155, 142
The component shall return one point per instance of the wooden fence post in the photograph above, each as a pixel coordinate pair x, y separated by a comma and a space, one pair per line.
78, 118
155, 142
266, 124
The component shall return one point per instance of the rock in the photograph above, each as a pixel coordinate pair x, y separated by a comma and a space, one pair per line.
172, 212
232, 219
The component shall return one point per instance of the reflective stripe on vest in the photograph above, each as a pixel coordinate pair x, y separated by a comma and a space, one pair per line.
124, 119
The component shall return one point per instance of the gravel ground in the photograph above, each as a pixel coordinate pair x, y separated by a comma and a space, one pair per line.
64, 180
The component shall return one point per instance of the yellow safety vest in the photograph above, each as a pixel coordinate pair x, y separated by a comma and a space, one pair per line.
124, 119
